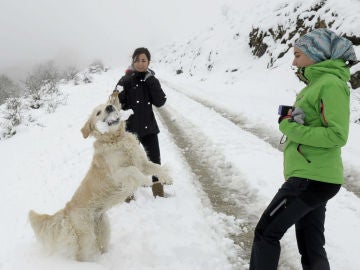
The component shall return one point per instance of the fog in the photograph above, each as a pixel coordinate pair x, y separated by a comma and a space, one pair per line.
75, 32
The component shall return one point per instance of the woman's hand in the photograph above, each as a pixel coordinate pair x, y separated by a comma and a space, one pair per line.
286, 116
298, 116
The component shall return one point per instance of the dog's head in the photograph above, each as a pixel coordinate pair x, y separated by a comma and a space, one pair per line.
105, 120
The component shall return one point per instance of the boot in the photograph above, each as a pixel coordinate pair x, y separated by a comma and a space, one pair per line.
157, 189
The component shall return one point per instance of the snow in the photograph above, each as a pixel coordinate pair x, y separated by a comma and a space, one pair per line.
102, 127
174, 232
225, 122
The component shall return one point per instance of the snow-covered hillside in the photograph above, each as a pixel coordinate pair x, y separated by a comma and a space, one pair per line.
259, 33
258, 28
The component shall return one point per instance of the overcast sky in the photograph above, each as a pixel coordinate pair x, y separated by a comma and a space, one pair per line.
78, 31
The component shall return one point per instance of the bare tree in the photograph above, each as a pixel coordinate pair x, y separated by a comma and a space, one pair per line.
8, 88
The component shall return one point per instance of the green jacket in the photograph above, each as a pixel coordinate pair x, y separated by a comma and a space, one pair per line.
313, 150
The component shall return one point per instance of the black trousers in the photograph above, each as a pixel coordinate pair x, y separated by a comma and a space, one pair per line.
301, 202
152, 149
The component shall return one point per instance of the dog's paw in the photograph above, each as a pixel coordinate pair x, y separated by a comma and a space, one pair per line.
147, 183
165, 179
165, 175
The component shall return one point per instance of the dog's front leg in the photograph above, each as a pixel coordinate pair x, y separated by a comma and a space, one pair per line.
150, 168
131, 178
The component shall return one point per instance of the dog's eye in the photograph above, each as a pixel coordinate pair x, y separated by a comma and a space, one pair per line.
98, 113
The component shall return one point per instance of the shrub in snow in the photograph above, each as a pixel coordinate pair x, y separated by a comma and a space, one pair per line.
42, 93
52, 101
69, 73
42, 82
96, 67
83, 77
13, 110
12, 116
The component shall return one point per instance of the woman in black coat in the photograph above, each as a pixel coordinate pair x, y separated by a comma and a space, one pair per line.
140, 91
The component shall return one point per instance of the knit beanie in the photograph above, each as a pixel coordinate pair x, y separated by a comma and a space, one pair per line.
322, 44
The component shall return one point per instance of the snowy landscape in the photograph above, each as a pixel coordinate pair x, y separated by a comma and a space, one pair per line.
219, 138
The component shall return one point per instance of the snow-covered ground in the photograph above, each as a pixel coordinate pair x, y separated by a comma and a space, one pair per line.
219, 123
43, 165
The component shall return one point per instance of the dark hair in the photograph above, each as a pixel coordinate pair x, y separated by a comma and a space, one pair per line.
139, 51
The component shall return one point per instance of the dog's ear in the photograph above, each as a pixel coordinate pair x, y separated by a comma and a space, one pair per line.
86, 129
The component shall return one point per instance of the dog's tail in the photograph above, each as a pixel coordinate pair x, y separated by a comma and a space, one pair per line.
52, 230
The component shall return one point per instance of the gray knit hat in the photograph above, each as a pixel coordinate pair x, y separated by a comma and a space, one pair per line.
322, 44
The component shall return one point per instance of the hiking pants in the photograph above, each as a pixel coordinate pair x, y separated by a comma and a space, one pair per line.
152, 149
301, 202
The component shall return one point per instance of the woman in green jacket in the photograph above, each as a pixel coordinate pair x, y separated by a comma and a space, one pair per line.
316, 129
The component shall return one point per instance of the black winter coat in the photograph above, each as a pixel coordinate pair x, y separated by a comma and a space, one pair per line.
140, 91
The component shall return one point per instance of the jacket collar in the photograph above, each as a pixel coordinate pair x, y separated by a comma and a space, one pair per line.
337, 67
143, 75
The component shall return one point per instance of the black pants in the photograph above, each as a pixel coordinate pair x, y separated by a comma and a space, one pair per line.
301, 202
152, 149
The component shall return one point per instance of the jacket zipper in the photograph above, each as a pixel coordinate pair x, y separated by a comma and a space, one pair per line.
322, 111
302, 154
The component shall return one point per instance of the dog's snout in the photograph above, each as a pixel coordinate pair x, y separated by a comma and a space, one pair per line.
109, 108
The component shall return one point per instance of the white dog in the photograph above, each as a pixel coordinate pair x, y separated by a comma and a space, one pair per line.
118, 168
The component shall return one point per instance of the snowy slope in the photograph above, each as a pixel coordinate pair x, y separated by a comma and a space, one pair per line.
44, 165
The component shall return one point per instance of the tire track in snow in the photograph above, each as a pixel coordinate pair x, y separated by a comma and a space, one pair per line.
270, 136
351, 174
213, 173
207, 171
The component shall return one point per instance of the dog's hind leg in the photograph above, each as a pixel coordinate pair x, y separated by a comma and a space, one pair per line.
87, 247
84, 226
102, 232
